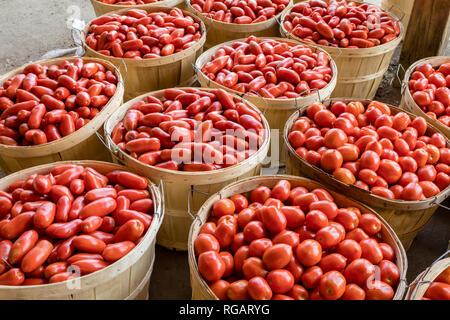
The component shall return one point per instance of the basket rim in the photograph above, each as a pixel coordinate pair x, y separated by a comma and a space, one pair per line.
407, 94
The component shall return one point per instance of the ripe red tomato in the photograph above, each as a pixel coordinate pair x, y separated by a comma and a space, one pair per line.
328, 237
370, 224
332, 285
298, 292
309, 252
205, 242
311, 277
371, 251
353, 292
238, 290
333, 261
331, 160
259, 289
316, 219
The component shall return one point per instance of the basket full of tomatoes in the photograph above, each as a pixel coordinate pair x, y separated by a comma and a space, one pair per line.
104, 6
194, 140
154, 48
288, 238
360, 36
389, 159
426, 91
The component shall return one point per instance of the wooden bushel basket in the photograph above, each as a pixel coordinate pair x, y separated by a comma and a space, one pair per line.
277, 111
360, 69
408, 102
407, 218
219, 32
184, 192
145, 75
420, 285
101, 8
200, 289
127, 278
80, 145
404, 5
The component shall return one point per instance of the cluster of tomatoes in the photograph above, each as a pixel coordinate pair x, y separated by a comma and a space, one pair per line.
294, 243
70, 222
240, 11
127, 3
190, 130
439, 289
269, 68
430, 89
373, 148
45, 103
143, 35
341, 24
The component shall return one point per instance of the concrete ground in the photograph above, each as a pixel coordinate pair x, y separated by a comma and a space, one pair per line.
29, 29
